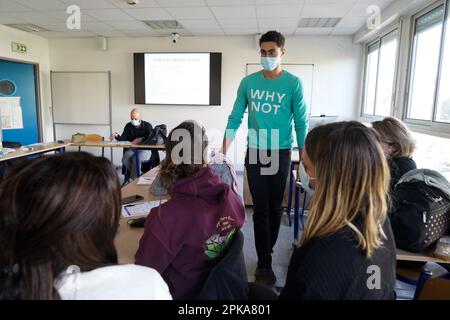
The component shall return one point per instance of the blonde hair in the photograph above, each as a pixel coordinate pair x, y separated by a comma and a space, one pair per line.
396, 135
352, 181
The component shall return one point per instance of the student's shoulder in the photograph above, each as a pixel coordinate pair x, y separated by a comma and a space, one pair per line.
143, 279
333, 247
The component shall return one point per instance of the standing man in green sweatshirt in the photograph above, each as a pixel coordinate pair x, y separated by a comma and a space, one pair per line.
275, 103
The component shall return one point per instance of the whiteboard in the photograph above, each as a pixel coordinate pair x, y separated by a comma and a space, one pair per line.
304, 71
81, 97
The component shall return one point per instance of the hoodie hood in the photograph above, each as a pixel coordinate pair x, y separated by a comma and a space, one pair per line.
204, 185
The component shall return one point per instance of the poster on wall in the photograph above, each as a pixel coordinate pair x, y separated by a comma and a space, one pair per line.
11, 113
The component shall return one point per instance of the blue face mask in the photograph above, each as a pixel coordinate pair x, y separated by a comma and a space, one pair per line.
269, 64
135, 122
305, 179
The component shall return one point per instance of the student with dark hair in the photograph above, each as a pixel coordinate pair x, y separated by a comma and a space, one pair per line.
58, 219
347, 250
398, 145
184, 236
275, 102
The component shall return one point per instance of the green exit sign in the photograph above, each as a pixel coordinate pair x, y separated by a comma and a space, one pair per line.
18, 47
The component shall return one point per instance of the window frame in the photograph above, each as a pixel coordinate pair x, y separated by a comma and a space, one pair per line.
396, 27
432, 126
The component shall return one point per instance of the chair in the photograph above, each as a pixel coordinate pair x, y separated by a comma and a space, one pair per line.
435, 289
94, 138
227, 279
419, 277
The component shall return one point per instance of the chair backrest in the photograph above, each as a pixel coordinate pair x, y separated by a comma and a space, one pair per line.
94, 137
227, 280
435, 289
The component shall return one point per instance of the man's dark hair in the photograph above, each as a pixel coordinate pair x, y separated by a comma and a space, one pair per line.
273, 36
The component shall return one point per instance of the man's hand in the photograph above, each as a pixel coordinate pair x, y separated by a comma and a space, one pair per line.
137, 141
113, 135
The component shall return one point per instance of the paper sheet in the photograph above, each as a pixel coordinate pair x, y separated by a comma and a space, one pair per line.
11, 113
142, 209
145, 180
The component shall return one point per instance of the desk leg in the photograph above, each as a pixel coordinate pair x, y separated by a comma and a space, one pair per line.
296, 212
138, 163
302, 215
291, 185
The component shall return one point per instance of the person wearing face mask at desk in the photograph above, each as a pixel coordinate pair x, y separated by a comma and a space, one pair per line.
135, 131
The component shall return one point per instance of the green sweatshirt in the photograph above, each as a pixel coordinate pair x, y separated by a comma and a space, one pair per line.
272, 104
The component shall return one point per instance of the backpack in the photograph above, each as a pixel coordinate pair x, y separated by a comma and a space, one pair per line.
157, 136
420, 215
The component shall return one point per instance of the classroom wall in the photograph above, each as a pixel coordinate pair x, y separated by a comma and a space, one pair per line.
336, 79
38, 52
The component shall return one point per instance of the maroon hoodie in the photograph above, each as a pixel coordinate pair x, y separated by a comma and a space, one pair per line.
184, 234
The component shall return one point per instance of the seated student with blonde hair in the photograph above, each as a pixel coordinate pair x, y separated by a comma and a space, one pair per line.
58, 219
347, 248
398, 145
184, 235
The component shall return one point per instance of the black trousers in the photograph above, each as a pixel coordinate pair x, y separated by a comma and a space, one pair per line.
267, 191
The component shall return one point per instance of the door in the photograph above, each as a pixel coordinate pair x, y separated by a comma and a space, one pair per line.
22, 80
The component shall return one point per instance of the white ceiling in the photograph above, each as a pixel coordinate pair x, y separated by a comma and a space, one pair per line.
115, 18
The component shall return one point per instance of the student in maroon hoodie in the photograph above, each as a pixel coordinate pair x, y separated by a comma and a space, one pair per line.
186, 233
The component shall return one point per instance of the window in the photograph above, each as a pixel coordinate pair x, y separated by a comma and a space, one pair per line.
381, 66
432, 152
429, 94
443, 106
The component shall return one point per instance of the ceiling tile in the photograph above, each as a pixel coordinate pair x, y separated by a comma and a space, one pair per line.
258, 2
63, 15
128, 25
241, 31
325, 10
8, 6
109, 15
344, 31
191, 13
32, 17
244, 12
95, 26
43, 5
149, 14
181, 3
200, 24
91, 4
238, 23
229, 2
207, 32
54, 26
142, 4
278, 23
278, 11
330, 1
351, 22
313, 31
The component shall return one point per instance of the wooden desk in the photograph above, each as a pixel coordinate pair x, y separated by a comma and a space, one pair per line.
35, 149
422, 257
294, 165
109, 144
127, 238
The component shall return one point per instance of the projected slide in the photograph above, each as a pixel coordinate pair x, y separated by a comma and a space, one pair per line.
177, 78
